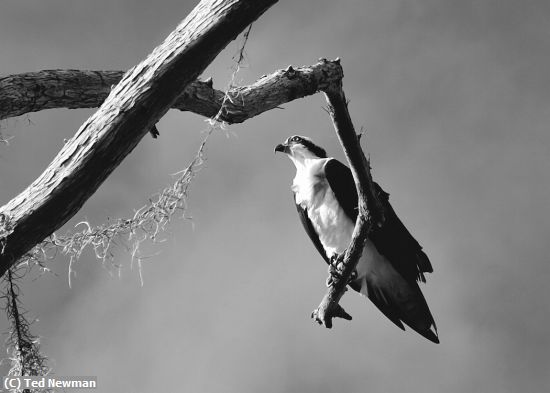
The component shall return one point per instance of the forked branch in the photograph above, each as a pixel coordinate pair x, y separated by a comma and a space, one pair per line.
142, 97
145, 93
79, 89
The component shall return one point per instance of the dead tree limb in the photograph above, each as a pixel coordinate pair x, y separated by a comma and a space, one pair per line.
142, 97
30, 92
370, 210
36, 91
48, 89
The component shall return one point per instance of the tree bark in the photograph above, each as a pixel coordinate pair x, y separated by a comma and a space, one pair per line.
370, 210
135, 105
49, 89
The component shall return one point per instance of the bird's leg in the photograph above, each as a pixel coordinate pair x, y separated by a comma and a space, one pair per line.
335, 269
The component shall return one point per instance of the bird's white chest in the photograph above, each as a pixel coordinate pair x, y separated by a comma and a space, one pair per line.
334, 228
331, 223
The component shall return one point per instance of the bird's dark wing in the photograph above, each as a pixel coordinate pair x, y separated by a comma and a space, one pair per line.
392, 240
341, 182
396, 243
308, 226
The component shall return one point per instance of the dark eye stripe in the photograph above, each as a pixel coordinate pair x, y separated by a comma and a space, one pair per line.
320, 152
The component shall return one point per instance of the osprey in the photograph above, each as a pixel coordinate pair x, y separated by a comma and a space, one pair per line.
392, 262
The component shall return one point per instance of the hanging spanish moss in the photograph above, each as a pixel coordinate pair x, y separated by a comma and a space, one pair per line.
23, 346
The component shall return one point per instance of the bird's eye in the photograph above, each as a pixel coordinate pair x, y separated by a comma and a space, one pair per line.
295, 139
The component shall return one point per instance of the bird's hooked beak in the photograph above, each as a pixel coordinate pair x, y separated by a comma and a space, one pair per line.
282, 147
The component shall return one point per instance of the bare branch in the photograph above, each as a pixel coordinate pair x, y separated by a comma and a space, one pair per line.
36, 91
142, 97
370, 210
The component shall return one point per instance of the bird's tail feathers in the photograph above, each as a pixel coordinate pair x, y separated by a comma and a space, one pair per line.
400, 301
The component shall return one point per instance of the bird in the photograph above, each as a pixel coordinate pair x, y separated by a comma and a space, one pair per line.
392, 263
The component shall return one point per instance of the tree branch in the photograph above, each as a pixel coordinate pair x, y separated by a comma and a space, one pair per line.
370, 210
141, 98
36, 91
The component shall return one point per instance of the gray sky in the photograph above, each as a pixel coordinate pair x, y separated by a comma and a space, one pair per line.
455, 97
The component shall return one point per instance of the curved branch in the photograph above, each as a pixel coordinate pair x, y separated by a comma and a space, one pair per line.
141, 98
36, 91
370, 210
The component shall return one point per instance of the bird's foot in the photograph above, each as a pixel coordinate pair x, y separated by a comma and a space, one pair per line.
333, 272
327, 310
336, 261
336, 269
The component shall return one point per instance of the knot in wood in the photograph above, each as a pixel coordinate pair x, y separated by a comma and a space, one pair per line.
290, 72
209, 82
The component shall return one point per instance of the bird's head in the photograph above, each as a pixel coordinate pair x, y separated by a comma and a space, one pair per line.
300, 148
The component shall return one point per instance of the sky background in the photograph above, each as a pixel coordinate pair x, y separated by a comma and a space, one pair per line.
455, 98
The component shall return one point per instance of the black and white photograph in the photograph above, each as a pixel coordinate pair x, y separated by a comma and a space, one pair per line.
271, 196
